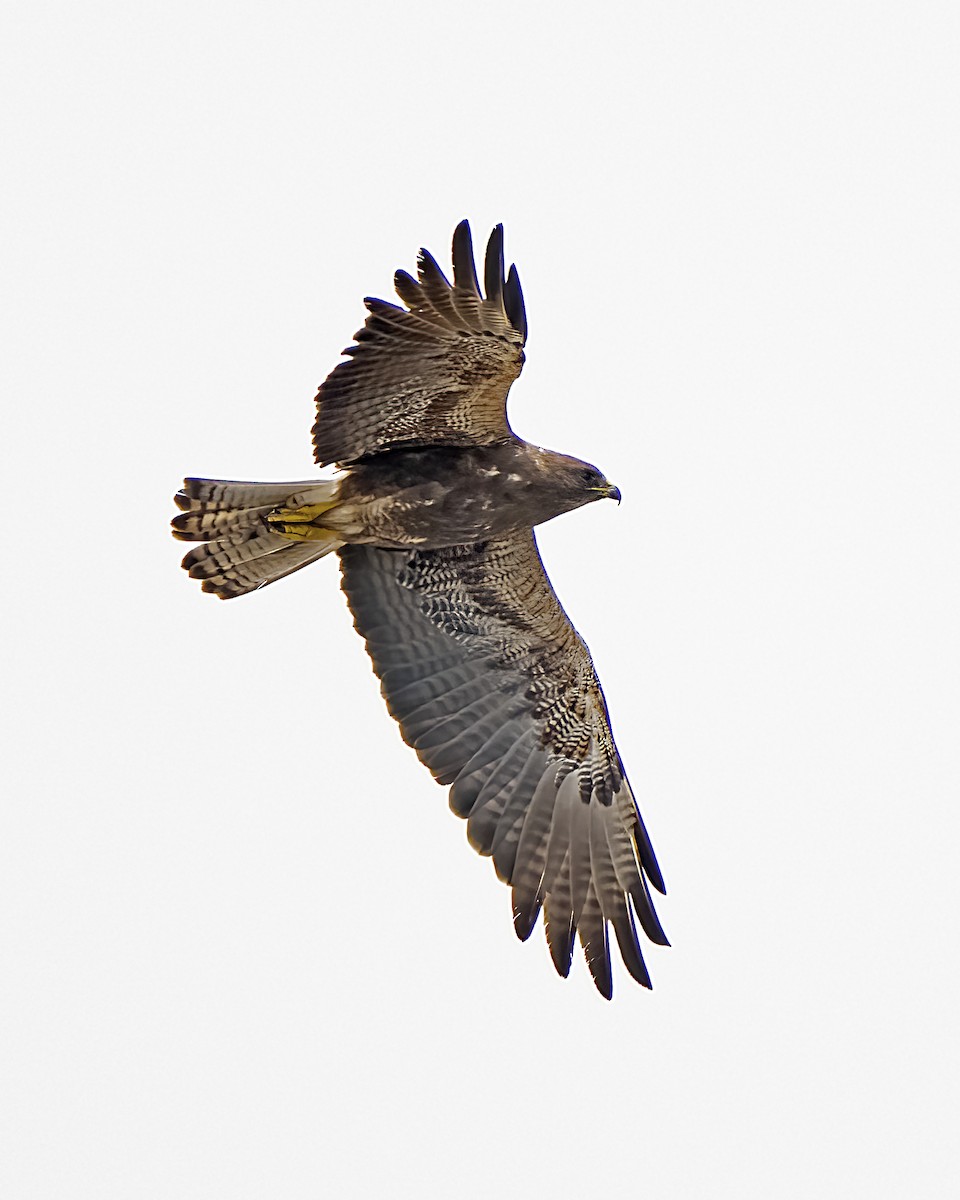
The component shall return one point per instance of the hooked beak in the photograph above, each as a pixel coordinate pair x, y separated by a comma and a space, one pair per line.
612, 493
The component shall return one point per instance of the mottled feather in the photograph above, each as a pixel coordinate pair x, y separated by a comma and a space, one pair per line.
436, 372
496, 692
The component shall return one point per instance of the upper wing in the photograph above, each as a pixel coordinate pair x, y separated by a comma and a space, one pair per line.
434, 373
497, 694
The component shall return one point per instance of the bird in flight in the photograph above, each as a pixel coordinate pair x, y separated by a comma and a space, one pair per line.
432, 514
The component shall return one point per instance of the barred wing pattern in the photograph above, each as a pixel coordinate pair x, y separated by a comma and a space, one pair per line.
434, 373
497, 694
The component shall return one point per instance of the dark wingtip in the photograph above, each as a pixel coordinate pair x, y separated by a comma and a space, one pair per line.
656, 879
513, 302
626, 934
561, 942
525, 920
429, 268
648, 860
464, 266
493, 266
647, 914
407, 288
603, 978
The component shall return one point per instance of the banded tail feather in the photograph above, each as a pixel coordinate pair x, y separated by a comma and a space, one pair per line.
252, 533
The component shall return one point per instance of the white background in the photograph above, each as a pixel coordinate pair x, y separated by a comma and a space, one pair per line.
246, 950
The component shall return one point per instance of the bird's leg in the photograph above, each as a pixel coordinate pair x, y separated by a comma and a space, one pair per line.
298, 523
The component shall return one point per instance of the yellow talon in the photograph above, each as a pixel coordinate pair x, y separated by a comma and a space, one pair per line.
303, 533
295, 523
309, 512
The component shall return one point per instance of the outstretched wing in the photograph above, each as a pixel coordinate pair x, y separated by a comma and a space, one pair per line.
496, 692
434, 373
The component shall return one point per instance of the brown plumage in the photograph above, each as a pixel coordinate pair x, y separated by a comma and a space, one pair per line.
432, 515
436, 373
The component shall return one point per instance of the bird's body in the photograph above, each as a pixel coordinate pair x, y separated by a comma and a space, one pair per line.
432, 514
448, 495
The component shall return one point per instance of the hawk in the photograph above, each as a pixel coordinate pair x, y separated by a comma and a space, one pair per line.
432, 513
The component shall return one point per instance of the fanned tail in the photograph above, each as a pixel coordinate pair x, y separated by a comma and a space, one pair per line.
253, 533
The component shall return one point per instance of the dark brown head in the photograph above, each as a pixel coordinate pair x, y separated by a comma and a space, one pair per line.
595, 484
570, 483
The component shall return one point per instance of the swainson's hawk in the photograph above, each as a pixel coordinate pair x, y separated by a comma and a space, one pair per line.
432, 514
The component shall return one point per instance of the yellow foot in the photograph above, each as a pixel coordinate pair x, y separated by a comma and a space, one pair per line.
296, 523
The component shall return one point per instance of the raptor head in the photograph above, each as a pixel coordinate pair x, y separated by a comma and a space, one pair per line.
581, 481
596, 484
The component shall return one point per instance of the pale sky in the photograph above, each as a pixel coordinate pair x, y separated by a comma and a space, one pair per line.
246, 949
